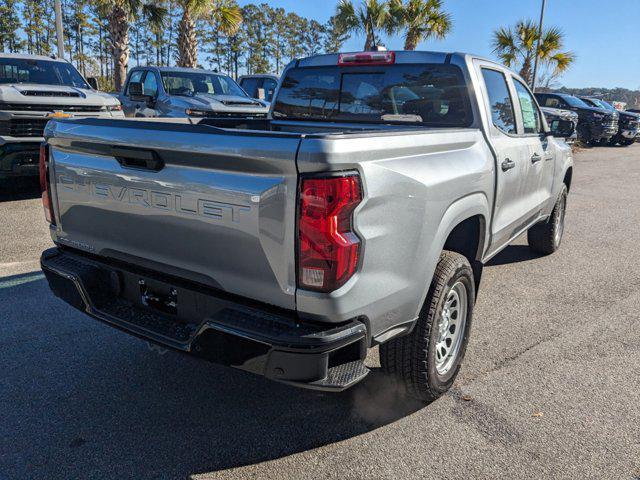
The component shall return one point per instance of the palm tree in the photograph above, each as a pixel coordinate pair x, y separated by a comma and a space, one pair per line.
517, 48
225, 13
120, 14
420, 19
361, 19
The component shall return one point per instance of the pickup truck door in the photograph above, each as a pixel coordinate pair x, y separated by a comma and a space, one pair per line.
541, 171
514, 208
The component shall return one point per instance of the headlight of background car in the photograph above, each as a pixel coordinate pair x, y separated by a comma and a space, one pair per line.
114, 108
193, 112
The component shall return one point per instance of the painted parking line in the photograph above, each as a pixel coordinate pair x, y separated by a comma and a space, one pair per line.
14, 282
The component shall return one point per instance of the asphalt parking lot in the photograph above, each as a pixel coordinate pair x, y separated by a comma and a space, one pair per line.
550, 386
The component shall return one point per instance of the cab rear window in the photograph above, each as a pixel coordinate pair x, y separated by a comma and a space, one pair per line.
427, 94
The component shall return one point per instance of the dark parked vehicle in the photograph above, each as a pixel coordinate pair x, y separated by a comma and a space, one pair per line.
555, 115
628, 125
596, 125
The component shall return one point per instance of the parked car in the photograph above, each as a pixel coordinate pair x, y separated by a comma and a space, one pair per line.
628, 124
596, 126
360, 213
34, 89
555, 115
262, 87
186, 92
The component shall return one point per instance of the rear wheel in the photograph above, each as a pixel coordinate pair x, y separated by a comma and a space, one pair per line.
545, 237
428, 360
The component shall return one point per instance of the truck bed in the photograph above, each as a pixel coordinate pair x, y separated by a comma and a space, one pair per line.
215, 201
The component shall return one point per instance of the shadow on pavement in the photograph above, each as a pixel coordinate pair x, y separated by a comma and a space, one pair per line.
513, 254
19, 189
82, 400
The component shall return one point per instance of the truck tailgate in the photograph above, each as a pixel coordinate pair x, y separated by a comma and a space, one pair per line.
210, 205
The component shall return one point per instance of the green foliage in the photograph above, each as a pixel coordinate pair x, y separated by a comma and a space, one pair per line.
516, 48
9, 25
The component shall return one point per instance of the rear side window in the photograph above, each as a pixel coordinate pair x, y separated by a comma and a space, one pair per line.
500, 101
530, 114
427, 94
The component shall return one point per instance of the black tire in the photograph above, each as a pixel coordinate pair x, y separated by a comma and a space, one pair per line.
412, 359
545, 237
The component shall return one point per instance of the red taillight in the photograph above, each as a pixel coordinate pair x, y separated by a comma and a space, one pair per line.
328, 248
44, 183
367, 58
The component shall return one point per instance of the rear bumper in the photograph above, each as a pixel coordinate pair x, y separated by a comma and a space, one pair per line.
19, 159
211, 324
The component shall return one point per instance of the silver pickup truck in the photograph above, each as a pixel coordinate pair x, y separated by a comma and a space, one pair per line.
360, 213
34, 89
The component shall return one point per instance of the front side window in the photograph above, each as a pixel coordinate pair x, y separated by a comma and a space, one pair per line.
552, 102
150, 85
41, 72
427, 94
500, 102
528, 110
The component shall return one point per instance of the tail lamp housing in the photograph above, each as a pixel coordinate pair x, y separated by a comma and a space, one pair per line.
328, 247
45, 186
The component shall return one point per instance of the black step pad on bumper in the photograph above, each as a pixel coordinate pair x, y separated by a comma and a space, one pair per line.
226, 331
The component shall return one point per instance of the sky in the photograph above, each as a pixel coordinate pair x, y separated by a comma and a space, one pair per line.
604, 34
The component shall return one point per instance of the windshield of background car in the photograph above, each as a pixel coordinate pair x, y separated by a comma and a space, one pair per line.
603, 104
575, 102
194, 83
427, 94
41, 72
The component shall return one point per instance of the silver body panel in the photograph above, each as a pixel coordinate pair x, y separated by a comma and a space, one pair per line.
241, 186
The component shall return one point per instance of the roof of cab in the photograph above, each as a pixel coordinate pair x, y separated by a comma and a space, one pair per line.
179, 69
26, 56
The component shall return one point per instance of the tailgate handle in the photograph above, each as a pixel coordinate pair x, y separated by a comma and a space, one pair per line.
138, 158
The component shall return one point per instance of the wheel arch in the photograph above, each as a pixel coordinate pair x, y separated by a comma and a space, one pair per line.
568, 176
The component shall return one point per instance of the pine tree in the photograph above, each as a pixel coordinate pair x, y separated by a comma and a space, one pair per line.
9, 24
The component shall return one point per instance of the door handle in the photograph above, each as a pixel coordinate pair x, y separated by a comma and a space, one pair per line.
535, 158
508, 164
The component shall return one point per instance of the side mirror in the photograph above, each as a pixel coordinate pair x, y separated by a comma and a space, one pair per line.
261, 94
93, 82
562, 128
135, 92
135, 89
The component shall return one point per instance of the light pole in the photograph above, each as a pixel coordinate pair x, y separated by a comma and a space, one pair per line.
59, 32
535, 65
